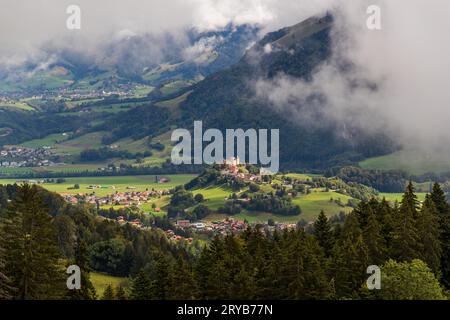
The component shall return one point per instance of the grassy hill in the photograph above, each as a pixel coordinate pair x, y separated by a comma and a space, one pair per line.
412, 161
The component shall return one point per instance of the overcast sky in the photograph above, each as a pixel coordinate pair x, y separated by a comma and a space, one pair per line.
27, 25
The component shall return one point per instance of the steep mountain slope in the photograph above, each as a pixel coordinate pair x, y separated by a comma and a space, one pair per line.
227, 99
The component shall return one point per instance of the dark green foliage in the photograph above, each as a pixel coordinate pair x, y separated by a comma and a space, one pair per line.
323, 233
405, 238
142, 287
443, 209
120, 293
30, 247
87, 291
109, 293
428, 230
110, 257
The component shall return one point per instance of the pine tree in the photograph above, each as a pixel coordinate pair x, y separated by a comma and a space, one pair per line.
120, 293
160, 285
323, 233
141, 288
405, 238
428, 229
108, 294
350, 259
384, 214
440, 202
5, 282
443, 209
409, 201
87, 291
31, 253
374, 240
182, 284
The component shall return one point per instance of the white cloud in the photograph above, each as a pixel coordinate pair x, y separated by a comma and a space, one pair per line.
408, 60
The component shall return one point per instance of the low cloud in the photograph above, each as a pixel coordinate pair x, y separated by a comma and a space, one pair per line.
398, 82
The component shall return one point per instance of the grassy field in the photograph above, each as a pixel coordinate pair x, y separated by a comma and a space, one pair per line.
410, 161
101, 281
78, 144
48, 141
301, 176
392, 197
139, 183
311, 204
17, 105
214, 196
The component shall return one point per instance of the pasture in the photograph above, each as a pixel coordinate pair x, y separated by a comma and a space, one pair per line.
109, 185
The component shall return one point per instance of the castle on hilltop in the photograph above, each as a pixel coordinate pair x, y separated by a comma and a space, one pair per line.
232, 161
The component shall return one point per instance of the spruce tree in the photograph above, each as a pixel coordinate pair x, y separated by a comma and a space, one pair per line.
87, 290
120, 293
376, 244
405, 243
428, 229
350, 259
108, 294
30, 244
182, 284
5, 282
443, 209
141, 288
323, 233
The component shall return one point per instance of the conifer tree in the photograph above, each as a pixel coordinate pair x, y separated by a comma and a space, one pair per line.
374, 240
5, 282
87, 290
323, 233
443, 209
350, 259
405, 238
182, 284
141, 288
108, 294
428, 229
120, 293
384, 214
30, 244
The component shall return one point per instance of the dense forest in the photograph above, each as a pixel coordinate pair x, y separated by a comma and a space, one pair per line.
40, 235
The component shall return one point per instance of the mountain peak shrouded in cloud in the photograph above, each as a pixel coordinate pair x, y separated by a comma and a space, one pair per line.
391, 80
28, 27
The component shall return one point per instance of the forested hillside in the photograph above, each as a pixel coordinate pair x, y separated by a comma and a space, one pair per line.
327, 260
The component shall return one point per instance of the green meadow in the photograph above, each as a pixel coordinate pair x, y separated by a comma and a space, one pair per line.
412, 162
120, 184
100, 281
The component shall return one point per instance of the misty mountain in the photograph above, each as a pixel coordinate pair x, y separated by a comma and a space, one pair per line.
227, 99
227, 96
147, 59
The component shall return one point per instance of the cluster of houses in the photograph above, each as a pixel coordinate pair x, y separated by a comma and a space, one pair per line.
15, 157
127, 198
172, 236
136, 222
229, 225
